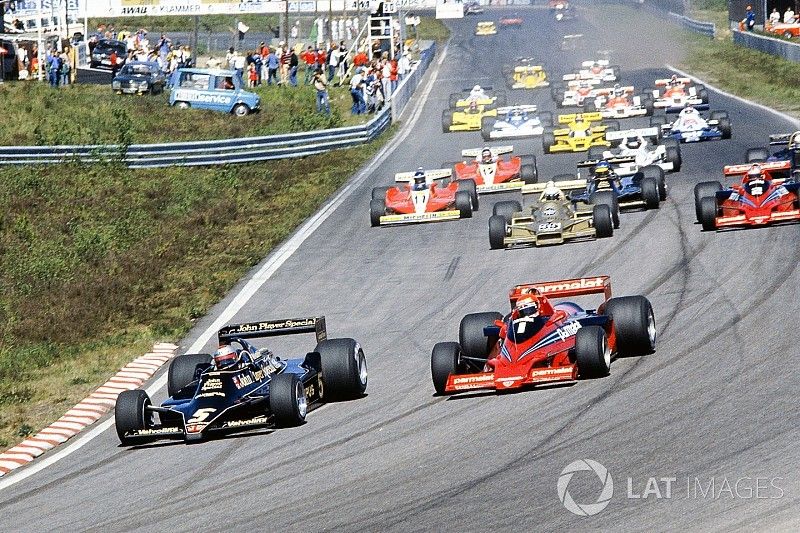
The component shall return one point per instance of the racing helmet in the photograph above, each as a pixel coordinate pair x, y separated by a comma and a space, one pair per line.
794, 141
477, 89
602, 170
674, 80
618, 90
756, 181
689, 111
419, 180
551, 192
486, 155
225, 356
473, 106
583, 84
633, 142
527, 306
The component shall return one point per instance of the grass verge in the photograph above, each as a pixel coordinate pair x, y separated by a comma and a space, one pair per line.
431, 29
100, 261
258, 23
35, 114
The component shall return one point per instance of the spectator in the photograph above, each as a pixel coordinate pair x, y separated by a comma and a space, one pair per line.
258, 61
360, 59
164, 45
342, 61
333, 61
322, 92
357, 92
229, 58
65, 67
114, 60
774, 17
252, 75
393, 74
310, 64
750, 19
286, 56
403, 66
238, 63
788, 16
293, 65
295, 30
212, 62
54, 66
272, 67
386, 78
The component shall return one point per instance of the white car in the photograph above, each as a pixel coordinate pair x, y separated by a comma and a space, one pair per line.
599, 70
636, 152
620, 102
515, 122
673, 94
576, 93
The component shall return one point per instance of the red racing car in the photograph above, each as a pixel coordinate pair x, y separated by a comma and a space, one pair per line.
514, 21
538, 342
491, 173
765, 195
423, 199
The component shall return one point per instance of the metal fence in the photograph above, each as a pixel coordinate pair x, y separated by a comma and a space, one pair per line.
708, 29
219, 152
769, 45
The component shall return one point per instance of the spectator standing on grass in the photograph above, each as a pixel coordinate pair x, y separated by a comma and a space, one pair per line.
310, 64
65, 67
342, 61
393, 75
357, 92
333, 61
163, 46
386, 77
238, 63
258, 61
788, 16
273, 64
295, 30
286, 55
294, 64
114, 63
322, 92
229, 57
252, 75
53, 67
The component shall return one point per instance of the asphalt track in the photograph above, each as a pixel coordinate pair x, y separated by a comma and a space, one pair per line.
716, 402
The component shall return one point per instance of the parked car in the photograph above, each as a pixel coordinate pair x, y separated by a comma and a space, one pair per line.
101, 53
214, 89
138, 77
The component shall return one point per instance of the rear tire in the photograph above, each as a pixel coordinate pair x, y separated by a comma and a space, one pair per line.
377, 209
657, 173
464, 204
708, 213
182, 370
487, 125
610, 199
379, 193
634, 324
287, 400
592, 352
602, 221
344, 369
468, 186
528, 174
444, 362
650, 193
506, 209
497, 232
548, 141
470, 334
130, 414
701, 190
447, 120
596, 152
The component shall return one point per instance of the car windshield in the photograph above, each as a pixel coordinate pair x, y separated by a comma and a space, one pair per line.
137, 70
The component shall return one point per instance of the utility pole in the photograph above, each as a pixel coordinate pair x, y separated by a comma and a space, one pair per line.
286, 22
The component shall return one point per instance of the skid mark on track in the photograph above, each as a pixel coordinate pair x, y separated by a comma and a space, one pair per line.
451, 269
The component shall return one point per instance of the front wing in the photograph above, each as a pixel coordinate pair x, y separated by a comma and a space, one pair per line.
416, 218
488, 380
743, 220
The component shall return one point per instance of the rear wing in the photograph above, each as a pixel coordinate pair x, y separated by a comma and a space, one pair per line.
640, 132
274, 328
566, 185
587, 117
528, 108
485, 88
496, 150
741, 170
430, 175
566, 288
616, 160
528, 68
600, 62
782, 138
662, 82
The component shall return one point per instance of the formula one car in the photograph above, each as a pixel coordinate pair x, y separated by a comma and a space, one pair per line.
575, 93
515, 122
513, 22
764, 196
486, 28
482, 96
526, 74
491, 173
550, 219
673, 94
598, 71
541, 343
565, 11
473, 8
644, 189
241, 387
619, 102
634, 144
581, 131
422, 199
469, 119
790, 151
690, 126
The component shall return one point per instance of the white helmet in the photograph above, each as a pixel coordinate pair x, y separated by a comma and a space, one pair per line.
476, 88
551, 192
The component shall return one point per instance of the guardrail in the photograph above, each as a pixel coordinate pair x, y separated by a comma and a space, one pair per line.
709, 29
219, 152
769, 45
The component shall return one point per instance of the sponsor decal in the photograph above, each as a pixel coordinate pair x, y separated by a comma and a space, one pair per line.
158, 431
258, 420
244, 380
212, 384
268, 326
473, 379
137, 10
545, 373
210, 395
195, 428
418, 217
583, 283
207, 98
568, 330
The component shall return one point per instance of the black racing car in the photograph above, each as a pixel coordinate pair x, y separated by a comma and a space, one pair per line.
257, 389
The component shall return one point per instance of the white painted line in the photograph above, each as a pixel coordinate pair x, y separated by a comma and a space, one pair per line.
278, 257
795, 122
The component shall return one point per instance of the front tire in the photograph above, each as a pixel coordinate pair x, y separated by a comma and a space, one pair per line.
471, 338
344, 369
468, 186
634, 324
592, 352
610, 199
701, 190
444, 362
657, 173
464, 204
708, 213
603, 223
650, 193
287, 400
130, 414
506, 209
497, 232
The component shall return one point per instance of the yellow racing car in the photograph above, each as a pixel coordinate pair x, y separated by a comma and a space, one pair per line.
580, 131
526, 74
468, 119
482, 95
486, 28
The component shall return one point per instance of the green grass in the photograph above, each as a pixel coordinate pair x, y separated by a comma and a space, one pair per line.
760, 77
213, 23
33, 113
100, 261
431, 29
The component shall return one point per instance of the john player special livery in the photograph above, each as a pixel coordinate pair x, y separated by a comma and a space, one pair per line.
538, 342
241, 386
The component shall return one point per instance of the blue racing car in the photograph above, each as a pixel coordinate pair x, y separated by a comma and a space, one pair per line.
644, 189
690, 126
790, 152
240, 386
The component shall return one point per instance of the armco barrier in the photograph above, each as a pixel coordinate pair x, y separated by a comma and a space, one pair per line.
769, 45
219, 152
708, 29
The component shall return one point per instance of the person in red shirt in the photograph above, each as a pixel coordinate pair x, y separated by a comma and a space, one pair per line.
310, 60
360, 59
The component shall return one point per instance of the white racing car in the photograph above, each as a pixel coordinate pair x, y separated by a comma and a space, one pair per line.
576, 93
598, 70
515, 122
691, 126
635, 152
673, 94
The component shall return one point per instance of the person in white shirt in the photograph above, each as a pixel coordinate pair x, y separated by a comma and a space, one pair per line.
788, 16
774, 17
403, 66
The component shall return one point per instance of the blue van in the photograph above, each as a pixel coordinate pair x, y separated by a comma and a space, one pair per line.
218, 90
